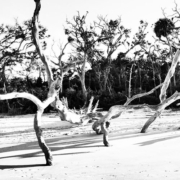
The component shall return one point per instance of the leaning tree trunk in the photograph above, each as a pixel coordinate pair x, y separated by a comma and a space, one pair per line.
37, 120
53, 98
39, 135
116, 111
54, 88
159, 110
164, 102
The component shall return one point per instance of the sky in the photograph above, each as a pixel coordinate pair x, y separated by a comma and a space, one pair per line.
54, 13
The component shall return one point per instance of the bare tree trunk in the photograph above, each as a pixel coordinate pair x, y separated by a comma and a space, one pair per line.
7, 102
116, 111
125, 83
53, 97
82, 79
41, 141
61, 82
105, 79
160, 108
150, 121
37, 119
130, 79
154, 78
35, 33
140, 78
159, 77
105, 132
164, 102
84, 90
53, 85
169, 75
174, 80
5, 83
105, 74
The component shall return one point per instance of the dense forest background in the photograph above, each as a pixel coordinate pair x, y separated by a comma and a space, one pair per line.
102, 59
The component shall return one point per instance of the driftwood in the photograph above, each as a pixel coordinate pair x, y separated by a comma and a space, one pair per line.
54, 88
159, 110
37, 119
53, 94
164, 102
71, 116
129, 100
116, 111
169, 75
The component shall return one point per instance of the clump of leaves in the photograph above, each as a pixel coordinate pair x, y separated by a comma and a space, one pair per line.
113, 24
163, 27
70, 39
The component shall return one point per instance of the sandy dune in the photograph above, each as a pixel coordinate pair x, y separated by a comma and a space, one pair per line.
79, 153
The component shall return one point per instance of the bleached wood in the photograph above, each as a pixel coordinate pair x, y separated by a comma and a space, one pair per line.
39, 134
28, 96
160, 108
35, 33
116, 111
130, 79
129, 100
169, 75
164, 102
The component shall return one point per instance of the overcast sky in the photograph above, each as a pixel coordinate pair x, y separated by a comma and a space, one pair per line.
54, 12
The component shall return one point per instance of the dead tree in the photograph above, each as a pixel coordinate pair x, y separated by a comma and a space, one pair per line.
53, 98
163, 101
62, 67
101, 126
37, 119
53, 95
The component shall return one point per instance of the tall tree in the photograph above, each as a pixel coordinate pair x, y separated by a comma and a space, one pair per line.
53, 94
83, 41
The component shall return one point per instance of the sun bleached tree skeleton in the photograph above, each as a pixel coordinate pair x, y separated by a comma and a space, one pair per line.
66, 114
53, 94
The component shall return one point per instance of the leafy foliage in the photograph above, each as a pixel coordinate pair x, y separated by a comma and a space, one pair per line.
163, 27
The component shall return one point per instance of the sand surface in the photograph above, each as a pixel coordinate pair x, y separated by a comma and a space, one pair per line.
78, 153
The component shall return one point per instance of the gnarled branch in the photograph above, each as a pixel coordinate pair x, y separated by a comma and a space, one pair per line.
28, 96
35, 33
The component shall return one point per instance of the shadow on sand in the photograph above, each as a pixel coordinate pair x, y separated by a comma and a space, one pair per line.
165, 138
20, 166
82, 144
